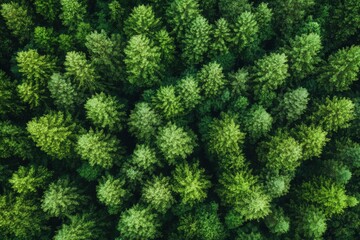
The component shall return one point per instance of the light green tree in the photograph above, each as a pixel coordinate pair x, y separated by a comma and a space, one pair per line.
222, 38
167, 102
63, 92
54, 133
294, 104
191, 183
142, 20
166, 44
72, 13
211, 79
245, 30
257, 122
144, 158
111, 192
189, 92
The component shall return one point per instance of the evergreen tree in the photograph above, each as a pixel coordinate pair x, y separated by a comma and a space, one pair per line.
165, 42
196, 41
49, 9
143, 121
63, 92
277, 222
17, 20
175, 143
138, 223
191, 183
167, 102
144, 158
264, 17
257, 122
189, 92
222, 38
9, 101
142, 60
99, 148
45, 39
212, 80
231, 9
72, 13
111, 192
62, 198
157, 194
311, 223
294, 104
142, 20
245, 30
54, 134
105, 111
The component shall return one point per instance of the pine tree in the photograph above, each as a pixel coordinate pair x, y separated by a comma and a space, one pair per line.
54, 134
72, 13
277, 222
63, 92
167, 102
222, 38
311, 223
49, 9
189, 92
264, 17
45, 39
196, 41
99, 148
144, 158
142, 60
231, 9
245, 30
211, 79
166, 45
138, 223
111, 192
175, 143
62, 198
190, 183
9, 101
294, 104
257, 122
142, 20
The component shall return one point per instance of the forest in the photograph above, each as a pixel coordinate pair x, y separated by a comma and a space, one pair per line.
179, 119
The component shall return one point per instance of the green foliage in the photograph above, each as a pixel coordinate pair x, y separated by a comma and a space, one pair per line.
49, 9
196, 41
329, 197
189, 92
157, 194
45, 39
116, 11
138, 223
80, 71
54, 134
175, 142
280, 152
167, 102
72, 13
294, 104
211, 78
225, 137
180, 14
277, 222
9, 103
142, 20
29, 179
20, 218
277, 185
336, 170
99, 148
341, 70
142, 60
165, 42
190, 183
222, 38
257, 122
111, 193
144, 158
17, 20
31, 94
88, 172
303, 54
105, 111
231, 9
246, 30
334, 114
311, 223
63, 92
143, 121
62, 198
264, 18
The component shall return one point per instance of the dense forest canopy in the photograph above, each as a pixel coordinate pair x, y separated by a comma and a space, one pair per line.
179, 119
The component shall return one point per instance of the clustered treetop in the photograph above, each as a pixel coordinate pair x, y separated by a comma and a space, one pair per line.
179, 119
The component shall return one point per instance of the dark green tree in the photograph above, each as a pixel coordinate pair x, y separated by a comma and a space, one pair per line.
257, 122
294, 104
277, 222
245, 30
222, 38
63, 92
49, 9
231, 9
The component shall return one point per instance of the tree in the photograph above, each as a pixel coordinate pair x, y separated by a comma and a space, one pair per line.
143, 122
303, 55
81, 71
99, 148
189, 92
144, 158
45, 39
72, 13
54, 134
167, 102
9, 101
175, 143
105, 111
138, 223
225, 137
63, 92
29, 179
312, 140
311, 223
196, 41
157, 194
341, 70
334, 114
142, 60
277, 222
257, 122
142, 20
190, 183
280, 152
180, 14
211, 79
222, 38
294, 103
49, 9
264, 17
62, 198
111, 192
17, 20
165, 42
329, 197
231, 9
245, 30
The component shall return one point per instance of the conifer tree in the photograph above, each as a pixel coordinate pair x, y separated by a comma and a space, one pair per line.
63, 92
245, 30
196, 41
167, 102
9, 101
54, 134
264, 18
257, 122
144, 158
231, 9
138, 222
142, 60
189, 92
166, 44
99, 148
294, 104
45, 39
212, 79
221, 38
72, 13
111, 192
311, 223
190, 183
62, 198
277, 222
142, 20
49, 9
